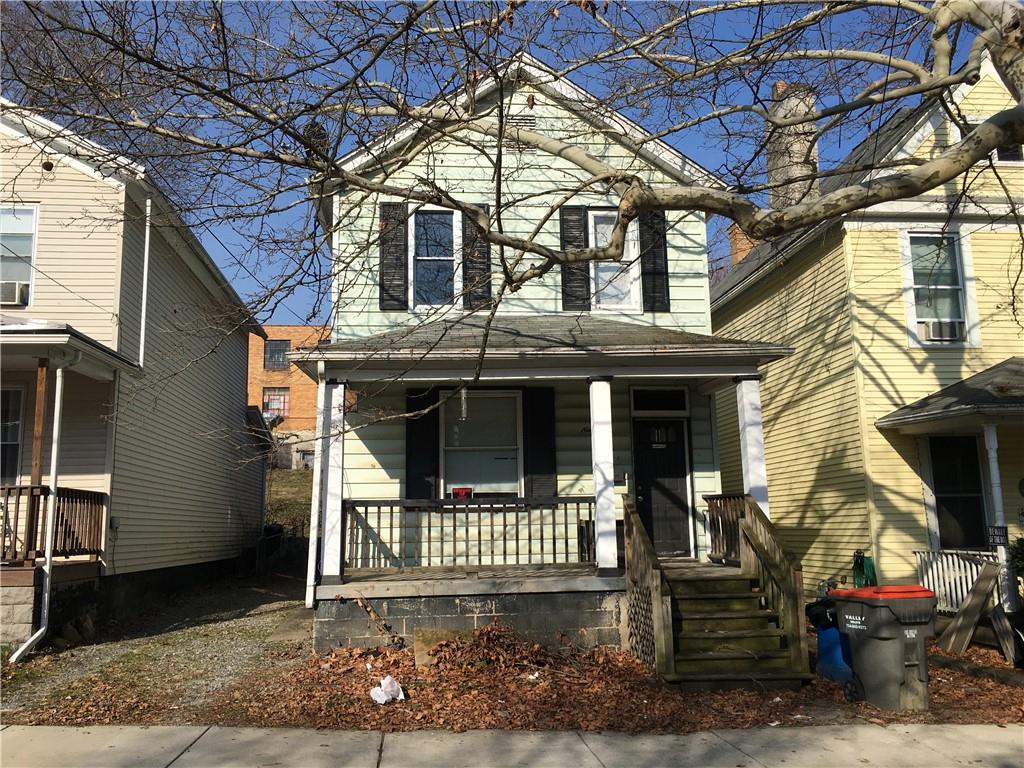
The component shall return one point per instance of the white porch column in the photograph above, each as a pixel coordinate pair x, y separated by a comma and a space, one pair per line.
320, 433
332, 481
604, 473
1007, 577
748, 406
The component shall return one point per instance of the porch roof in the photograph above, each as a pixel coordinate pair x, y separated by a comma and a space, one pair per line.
996, 392
25, 341
559, 337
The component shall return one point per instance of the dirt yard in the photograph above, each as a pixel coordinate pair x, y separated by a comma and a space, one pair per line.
238, 654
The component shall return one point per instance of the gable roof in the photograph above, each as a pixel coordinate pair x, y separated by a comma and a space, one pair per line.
875, 147
108, 167
526, 68
995, 391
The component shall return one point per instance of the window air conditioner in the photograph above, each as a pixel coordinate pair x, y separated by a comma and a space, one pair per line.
13, 294
943, 330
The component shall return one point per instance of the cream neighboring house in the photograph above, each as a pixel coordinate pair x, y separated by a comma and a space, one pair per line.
564, 487
117, 328
897, 427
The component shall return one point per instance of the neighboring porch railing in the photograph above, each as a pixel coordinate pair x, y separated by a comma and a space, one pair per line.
648, 598
724, 513
950, 573
747, 532
78, 522
389, 533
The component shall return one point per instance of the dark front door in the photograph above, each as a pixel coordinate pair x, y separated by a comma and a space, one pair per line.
660, 471
959, 495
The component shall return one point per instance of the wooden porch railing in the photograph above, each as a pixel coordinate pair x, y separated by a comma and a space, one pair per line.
761, 555
648, 598
385, 533
724, 513
950, 573
78, 522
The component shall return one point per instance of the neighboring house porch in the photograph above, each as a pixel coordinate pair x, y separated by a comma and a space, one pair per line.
507, 497
966, 434
57, 394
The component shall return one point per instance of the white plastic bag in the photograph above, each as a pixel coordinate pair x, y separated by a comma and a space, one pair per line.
388, 690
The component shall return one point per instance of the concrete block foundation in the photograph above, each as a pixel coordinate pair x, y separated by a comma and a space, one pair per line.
588, 619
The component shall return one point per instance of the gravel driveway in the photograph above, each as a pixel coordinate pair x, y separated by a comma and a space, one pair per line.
162, 667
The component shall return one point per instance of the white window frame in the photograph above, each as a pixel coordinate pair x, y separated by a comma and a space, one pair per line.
957, 135
456, 258
965, 264
630, 261
19, 388
482, 394
35, 251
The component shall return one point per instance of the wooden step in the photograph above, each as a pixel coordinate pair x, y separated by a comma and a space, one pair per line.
688, 586
707, 602
724, 640
719, 681
737, 661
724, 620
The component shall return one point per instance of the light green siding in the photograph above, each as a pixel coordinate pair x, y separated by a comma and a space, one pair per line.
534, 182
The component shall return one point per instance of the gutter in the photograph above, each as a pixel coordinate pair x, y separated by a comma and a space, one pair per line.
51, 509
145, 282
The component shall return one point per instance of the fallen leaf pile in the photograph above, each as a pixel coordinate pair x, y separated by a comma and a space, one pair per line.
494, 679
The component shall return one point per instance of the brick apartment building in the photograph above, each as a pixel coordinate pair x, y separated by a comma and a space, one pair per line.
286, 396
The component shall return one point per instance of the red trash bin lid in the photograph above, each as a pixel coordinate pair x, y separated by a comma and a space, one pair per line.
893, 592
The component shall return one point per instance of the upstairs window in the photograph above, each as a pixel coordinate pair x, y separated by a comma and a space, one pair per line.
276, 401
938, 289
17, 253
435, 275
275, 354
614, 284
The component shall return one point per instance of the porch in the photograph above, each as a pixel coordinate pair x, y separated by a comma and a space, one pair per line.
78, 523
969, 437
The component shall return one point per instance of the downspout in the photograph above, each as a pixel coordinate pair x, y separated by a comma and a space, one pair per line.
145, 284
51, 508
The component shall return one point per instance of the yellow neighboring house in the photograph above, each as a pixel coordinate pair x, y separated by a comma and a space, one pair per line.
897, 427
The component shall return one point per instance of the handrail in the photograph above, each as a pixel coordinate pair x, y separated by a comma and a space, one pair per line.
763, 556
382, 533
78, 521
724, 513
648, 598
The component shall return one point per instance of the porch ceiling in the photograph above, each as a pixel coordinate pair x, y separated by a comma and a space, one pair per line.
583, 345
995, 394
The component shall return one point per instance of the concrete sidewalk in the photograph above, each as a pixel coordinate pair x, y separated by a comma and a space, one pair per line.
928, 746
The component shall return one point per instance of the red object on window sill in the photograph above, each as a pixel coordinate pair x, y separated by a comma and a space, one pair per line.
462, 492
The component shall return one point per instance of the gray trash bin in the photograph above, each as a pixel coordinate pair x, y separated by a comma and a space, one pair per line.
887, 628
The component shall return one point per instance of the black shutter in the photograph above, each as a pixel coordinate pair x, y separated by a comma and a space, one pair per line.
394, 256
654, 261
422, 445
575, 276
476, 264
539, 442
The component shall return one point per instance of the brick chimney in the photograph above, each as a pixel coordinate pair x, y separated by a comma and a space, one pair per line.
787, 147
740, 243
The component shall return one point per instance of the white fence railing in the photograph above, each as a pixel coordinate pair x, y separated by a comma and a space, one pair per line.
950, 573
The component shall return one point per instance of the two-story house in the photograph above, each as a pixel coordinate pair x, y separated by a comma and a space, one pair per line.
897, 427
470, 470
285, 395
129, 452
